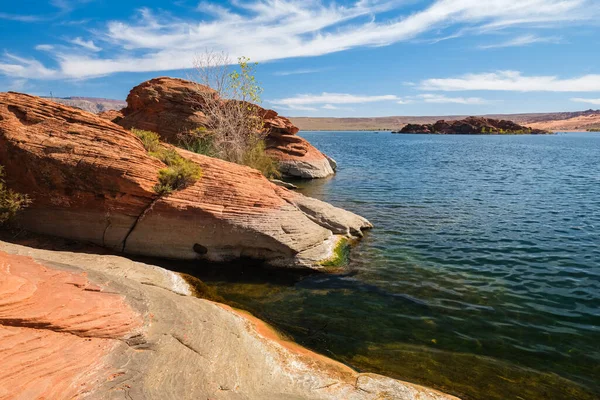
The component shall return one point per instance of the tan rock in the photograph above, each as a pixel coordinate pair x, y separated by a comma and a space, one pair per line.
187, 348
92, 180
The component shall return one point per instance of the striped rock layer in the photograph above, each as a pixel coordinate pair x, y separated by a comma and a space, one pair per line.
92, 180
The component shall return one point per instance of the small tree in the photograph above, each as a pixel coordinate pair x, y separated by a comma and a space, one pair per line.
10, 202
234, 127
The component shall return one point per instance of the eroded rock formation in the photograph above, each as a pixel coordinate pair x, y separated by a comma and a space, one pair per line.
92, 180
170, 106
472, 126
104, 327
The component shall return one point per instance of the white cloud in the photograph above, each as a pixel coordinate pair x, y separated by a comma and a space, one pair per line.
88, 44
441, 99
300, 71
19, 67
44, 47
330, 107
21, 18
514, 81
595, 102
523, 40
267, 30
405, 101
301, 101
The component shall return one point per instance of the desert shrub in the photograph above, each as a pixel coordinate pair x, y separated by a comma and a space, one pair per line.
234, 129
199, 141
150, 140
10, 202
180, 172
256, 157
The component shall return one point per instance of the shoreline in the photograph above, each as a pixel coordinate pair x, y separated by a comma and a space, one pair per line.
173, 317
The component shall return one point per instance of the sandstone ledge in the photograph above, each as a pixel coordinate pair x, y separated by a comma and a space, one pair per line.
91, 180
183, 348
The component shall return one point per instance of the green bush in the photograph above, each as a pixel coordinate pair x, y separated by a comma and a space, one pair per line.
180, 172
10, 202
150, 140
198, 141
256, 157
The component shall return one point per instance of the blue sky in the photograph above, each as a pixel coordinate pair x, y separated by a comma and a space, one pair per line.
319, 58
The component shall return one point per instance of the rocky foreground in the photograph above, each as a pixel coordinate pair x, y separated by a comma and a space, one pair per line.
171, 106
104, 327
92, 180
472, 126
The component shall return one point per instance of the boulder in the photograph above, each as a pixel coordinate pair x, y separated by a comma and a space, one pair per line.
472, 126
105, 327
171, 106
92, 180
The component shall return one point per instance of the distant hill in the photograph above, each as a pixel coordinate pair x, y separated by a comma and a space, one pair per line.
580, 120
556, 121
91, 104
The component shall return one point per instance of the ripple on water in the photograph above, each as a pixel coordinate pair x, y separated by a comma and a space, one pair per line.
481, 277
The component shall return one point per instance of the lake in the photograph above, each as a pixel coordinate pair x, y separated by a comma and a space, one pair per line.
481, 277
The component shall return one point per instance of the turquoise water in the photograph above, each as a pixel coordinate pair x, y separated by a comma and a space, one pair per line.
481, 277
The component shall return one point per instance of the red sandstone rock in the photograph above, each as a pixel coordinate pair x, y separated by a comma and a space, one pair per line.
92, 180
171, 106
56, 330
471, 126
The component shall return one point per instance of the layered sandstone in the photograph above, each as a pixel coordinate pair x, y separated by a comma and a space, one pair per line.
104, 327
170, 107
57, 330
92, 180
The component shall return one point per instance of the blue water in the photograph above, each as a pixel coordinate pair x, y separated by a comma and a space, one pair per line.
481, 277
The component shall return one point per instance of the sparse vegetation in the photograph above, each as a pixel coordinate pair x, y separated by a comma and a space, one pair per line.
11, 202
234, 129
150, 140
594, 130
180, 172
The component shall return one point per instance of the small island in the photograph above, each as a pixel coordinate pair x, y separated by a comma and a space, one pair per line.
473, 126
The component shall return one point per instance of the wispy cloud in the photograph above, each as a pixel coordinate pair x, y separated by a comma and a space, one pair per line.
87, 44
441, 99
44, 47
300, 71
595, 102
513, 81
523, 40
21, 18
302, 101
268, 30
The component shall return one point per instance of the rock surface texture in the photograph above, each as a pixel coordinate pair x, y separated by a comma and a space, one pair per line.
92, 180
170, 106
127, 330
472, 126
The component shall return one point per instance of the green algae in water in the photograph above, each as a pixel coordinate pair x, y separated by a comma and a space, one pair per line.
341, 255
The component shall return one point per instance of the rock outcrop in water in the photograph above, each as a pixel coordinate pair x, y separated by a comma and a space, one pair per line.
472, 126
92, 180
104, 327
171, 106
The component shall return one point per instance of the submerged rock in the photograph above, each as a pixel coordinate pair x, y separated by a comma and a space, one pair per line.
104, 327
92, 180
171, 106
472, 126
